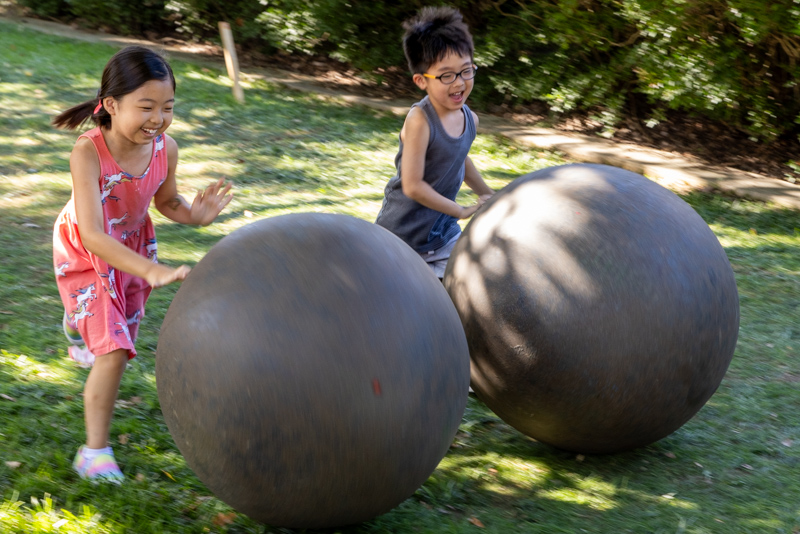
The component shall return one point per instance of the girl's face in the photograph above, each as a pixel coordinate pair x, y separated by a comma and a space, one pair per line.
145, 113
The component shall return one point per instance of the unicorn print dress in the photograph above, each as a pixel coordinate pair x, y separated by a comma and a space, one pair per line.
105, 305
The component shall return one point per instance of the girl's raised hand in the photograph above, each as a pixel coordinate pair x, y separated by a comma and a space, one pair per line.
207, 204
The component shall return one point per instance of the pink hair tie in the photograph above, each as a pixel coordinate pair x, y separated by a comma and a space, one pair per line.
97, 109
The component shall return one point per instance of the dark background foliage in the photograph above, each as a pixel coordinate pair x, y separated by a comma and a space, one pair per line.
734, 61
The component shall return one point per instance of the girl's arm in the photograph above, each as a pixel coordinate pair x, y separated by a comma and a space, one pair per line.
85, 167
415, 135
207, 204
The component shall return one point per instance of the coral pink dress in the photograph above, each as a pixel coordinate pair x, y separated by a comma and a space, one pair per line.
104, 304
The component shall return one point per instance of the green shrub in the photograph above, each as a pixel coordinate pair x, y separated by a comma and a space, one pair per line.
122, 16
55, 9
730, 60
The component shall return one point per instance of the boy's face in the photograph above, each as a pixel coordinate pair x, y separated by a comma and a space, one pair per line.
446, 96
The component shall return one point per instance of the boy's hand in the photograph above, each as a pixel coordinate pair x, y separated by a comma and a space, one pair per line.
210, 202
468, 211
161, 275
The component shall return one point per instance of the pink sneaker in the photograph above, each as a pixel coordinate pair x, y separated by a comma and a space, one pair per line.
81, 355
103, 468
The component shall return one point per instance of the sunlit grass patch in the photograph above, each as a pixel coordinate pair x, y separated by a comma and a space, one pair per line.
729, 469
42, 516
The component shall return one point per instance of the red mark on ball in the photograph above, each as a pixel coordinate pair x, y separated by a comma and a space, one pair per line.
376, 387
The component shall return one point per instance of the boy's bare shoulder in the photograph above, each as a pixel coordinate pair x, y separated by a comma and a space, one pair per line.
416, 123
475, 117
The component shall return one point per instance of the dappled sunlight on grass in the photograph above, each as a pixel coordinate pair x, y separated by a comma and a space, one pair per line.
574, 496
44, 516
290, 152
29, 370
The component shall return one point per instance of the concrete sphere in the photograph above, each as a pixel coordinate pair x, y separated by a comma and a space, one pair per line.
601, 311
312, 370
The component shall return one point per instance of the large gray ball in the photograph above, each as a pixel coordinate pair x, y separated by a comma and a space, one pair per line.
312, 370
600, 310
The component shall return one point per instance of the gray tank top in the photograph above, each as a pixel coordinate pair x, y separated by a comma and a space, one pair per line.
423, 228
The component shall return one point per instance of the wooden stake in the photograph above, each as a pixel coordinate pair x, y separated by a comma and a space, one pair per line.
231, 60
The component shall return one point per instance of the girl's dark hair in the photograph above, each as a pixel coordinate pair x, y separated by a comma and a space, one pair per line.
126, 71
432, 34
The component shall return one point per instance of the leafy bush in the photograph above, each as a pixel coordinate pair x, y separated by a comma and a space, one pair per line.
122, 16
729, 60
55, 9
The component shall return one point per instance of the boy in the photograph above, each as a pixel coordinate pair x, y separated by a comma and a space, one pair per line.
419, 203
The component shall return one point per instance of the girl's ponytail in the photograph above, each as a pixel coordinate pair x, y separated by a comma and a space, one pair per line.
126, 71
77, 115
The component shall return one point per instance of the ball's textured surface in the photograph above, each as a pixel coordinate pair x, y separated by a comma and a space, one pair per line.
600, 309
312, 370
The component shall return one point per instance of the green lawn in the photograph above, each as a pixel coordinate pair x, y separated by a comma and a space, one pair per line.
731, 469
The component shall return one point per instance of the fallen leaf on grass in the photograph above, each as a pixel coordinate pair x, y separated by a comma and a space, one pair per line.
6, 312
123, 439
580, 457
224, 519
475, 521
670, 455
140, 477
786, 443
492, 470
170, 476
746, 466
13, 465
8, 398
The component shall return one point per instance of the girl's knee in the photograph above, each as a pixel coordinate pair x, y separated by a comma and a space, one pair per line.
117, 359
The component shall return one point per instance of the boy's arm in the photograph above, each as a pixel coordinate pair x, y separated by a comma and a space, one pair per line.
85, 168
473, 178
415, 135
207, 204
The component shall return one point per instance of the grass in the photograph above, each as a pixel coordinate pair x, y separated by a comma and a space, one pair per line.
731, 469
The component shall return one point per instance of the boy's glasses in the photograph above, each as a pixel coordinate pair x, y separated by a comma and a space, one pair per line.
450, 77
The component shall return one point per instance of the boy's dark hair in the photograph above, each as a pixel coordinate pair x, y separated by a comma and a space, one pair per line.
434, 33
126, 71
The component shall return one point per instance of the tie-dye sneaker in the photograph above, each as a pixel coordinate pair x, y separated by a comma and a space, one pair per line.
81, 355
73, 336
102, 468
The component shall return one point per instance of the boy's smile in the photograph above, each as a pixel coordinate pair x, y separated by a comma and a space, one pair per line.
446, 97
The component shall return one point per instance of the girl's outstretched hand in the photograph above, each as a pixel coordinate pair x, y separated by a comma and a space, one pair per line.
161, 275
207, 204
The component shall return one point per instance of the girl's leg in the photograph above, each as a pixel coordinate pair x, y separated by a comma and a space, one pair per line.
95, 460
99, 396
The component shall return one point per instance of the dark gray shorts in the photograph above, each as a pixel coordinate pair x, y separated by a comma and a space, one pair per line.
437, 259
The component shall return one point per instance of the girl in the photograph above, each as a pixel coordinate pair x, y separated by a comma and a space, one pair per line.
104, 246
